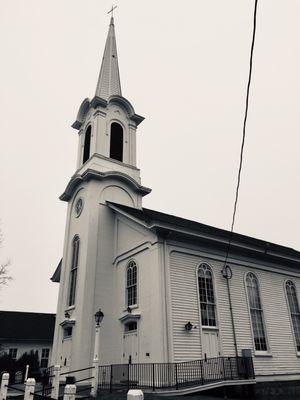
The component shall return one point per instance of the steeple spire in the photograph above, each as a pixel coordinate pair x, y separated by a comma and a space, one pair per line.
109, 79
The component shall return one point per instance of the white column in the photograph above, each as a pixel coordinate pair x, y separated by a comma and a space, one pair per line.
70, 392
4, 383
55, 382
97, 342
95, 378
29, 389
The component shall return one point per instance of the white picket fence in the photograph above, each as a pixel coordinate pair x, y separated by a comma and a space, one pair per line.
69, 391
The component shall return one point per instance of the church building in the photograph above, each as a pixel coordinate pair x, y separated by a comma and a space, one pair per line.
160, 279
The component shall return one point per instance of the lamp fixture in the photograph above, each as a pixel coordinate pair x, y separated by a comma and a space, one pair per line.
99, 317
188, 326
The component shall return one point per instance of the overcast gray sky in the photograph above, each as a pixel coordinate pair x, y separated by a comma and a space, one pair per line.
184, 66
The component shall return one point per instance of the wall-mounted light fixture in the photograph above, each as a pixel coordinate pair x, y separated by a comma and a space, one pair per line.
188, 326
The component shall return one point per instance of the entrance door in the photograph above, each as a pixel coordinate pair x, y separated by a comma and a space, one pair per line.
130, 348
210, 343
66, 354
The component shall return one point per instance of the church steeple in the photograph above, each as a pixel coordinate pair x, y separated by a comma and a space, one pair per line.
109, 78
107, 126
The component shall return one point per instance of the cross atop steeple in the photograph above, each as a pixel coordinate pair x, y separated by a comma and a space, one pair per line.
109, 78
112, 10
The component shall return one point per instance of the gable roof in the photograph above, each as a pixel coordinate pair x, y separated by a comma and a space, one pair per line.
26, 326
163, 223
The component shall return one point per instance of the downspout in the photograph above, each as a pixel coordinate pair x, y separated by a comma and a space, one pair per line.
227, 274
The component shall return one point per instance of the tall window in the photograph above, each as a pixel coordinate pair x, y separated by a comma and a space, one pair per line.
13, 353
116, 141
256, 313
131, 285
73, 273
206, 294
45, 358
294, 310
87, 144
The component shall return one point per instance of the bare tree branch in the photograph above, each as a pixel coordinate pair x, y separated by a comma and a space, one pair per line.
4, 275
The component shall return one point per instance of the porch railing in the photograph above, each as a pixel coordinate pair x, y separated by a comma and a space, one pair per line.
159, 376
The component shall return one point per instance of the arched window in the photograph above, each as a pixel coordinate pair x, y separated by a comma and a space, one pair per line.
131, 283
116, 142
256, 312
87, 144
73, 273
294, 310
206, 294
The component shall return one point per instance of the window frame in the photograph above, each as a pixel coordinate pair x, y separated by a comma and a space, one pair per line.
257, 352
290, 313
133, 305
88, 130
111, 139
73, 274
11, 351
216, 317
47, 350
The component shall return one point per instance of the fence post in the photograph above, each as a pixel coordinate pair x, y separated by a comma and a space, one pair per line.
201, 369
95, 379
111, 378
224, 369
4, 383
55, 382
135, 394
26, 373
29, 389
153, 377
70, 392
128, 384
176, 376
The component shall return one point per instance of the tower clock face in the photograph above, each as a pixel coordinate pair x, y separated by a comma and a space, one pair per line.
78, 207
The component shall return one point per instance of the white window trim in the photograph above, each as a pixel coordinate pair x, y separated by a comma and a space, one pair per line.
136, 305
257, 353
289, 312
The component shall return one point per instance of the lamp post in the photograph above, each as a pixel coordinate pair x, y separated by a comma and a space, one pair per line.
98, 319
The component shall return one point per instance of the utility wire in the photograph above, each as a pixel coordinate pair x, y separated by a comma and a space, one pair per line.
244, 135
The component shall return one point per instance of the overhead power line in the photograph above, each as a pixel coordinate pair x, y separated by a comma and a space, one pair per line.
244, 134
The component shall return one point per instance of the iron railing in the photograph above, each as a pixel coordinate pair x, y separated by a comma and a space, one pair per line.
174, 375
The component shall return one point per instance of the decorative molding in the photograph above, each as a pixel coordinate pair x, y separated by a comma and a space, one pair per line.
96, 175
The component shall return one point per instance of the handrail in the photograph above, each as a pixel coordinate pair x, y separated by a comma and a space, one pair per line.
77, 370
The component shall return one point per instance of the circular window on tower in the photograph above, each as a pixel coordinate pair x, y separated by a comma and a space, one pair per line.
78, 207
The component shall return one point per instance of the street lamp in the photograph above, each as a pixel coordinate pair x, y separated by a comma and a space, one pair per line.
99, 317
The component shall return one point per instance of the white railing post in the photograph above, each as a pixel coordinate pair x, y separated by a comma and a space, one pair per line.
135, 394
95, 379
70, 392
4, 383
26, 373
29, 389
55, 382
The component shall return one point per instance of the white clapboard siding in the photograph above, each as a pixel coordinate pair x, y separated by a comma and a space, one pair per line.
184, 299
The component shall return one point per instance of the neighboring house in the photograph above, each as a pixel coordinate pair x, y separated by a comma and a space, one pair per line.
21, 332
159, 279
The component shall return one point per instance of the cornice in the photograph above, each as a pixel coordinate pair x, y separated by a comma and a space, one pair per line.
98, 102
89, 174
